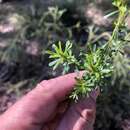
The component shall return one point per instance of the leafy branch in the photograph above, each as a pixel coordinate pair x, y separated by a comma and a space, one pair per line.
100, 63
62, 57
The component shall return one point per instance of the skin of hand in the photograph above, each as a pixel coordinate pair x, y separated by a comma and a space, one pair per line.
45, 108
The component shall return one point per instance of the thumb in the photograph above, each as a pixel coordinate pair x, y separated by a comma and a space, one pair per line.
81, 115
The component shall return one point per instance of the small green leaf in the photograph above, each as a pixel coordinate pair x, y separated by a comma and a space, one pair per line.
53, 63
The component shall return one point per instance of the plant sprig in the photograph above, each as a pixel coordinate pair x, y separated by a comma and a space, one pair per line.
99, 63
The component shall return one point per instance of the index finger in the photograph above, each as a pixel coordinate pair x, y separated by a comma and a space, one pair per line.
59, 87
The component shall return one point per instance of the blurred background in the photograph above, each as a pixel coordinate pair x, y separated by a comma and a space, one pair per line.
29, 27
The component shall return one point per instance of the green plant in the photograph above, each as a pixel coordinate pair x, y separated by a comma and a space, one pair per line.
47, 24
99, 62
64, 57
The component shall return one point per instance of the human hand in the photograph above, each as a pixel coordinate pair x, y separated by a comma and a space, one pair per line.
44, 108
